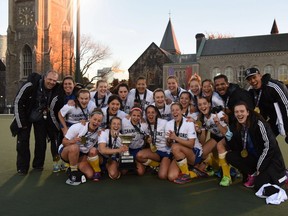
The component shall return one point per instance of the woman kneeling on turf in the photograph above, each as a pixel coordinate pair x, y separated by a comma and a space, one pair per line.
185, 146
159, 153
134, 127
78, 149
254, 150
110, 147
211, 119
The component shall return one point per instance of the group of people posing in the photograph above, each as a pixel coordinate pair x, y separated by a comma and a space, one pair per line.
183, 134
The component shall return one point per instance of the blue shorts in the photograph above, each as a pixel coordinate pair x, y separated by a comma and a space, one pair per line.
163, 154
61, 147
105, 161
134, 151
216, 138
198, 156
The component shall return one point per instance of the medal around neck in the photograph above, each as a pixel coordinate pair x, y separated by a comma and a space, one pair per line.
257, 110
244, 153
153, 147
83, 140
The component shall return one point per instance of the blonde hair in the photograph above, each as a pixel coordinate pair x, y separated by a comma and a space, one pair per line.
172, 77
195, 77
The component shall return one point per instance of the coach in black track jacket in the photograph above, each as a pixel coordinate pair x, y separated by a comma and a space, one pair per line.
32, 107
267, 94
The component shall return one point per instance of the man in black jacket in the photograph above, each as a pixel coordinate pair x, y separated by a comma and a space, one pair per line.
31, 107
271, 100
231, 94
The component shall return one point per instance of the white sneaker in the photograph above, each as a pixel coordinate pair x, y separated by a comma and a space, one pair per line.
56, 167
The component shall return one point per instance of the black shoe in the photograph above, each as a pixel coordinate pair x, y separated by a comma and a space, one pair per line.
76, 178
39, 169
22, 172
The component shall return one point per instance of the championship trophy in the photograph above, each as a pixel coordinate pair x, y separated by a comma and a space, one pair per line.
127, 161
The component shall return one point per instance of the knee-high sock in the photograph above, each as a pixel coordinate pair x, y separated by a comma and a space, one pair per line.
209, 159
94, 163
212, 161
183, 166
223, 163
152, 163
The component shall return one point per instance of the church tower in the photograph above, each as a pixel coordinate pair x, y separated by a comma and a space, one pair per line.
39, 38
169, 41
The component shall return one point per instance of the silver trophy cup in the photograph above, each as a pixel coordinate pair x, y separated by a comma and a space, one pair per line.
127, 161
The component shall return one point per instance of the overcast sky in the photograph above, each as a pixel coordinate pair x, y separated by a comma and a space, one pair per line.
128, 27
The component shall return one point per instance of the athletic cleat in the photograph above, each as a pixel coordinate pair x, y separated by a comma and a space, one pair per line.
155, 170
76, 178
22, 172
182, 179
250, 181
96, 176
210, 171
218, 173
199, 172
225, 181
64, 166
56, 167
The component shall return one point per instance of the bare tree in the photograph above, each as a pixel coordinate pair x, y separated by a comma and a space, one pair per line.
218, 36
91, 53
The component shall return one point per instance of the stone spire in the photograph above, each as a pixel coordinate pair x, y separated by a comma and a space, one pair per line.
169, 41
274, 29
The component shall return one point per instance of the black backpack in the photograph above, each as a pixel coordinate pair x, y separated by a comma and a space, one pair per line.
34, 79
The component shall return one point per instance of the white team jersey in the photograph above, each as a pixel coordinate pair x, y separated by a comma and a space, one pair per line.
73, 115
187, 131
105, 121
217, 100
104, 138
126, 107
128, 128
89, 138
145, 102
211, 126
193, 115
101, 102
160, 135
175, 98
165, 112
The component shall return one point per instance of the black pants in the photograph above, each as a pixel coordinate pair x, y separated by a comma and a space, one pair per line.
22, 147
248, 166
42, 130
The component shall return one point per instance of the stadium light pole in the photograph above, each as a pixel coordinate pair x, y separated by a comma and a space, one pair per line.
78, 76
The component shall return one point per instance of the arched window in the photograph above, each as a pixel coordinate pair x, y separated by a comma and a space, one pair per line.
216, 71
26, 61
269, 69
229, 73
283, 73
241, 74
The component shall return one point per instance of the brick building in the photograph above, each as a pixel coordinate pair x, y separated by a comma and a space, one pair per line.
229, 56
39, 38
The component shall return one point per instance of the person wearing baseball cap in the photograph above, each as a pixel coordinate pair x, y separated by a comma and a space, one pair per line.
270, 99
250, 72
